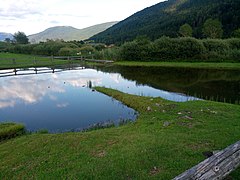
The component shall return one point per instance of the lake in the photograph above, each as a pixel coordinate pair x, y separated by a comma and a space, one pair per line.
61, 99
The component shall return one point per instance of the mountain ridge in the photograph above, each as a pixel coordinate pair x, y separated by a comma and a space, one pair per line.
69, 33
4, 35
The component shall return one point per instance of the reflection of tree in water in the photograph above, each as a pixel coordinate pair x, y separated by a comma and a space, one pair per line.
218, 85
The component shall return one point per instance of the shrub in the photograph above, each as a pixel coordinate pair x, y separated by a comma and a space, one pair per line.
234, 43
136, 50
216, 45
10, 130
175, 48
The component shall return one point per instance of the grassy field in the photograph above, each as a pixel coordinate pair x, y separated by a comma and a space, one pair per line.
37, 61
167, 139
21, 60
182, 64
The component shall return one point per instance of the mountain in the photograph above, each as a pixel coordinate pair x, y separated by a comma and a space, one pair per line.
3, 36
165, 18
69, 33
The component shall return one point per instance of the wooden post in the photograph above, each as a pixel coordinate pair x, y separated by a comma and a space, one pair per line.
35, 70
15, 71
14, 61
218, 166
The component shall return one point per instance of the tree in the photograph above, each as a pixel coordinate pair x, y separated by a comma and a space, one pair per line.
236, 33
212, 28
186, 30
21, 38
7, 40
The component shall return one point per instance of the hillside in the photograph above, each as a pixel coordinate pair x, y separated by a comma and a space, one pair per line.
165, 19
69, 33
3, 36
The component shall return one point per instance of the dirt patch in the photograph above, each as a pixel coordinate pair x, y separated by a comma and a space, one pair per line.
198, 146
99, 154
154, 171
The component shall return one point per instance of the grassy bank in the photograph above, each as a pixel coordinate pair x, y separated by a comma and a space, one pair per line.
10, 130
21, 61
166, 139
203, 65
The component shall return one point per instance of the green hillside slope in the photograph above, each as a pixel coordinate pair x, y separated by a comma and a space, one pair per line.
69, 33
165, 19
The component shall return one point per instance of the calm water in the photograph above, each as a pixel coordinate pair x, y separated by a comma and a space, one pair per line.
208, 84
60, 100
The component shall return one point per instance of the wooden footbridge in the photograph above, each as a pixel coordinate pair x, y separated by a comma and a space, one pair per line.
48, 62
31, 71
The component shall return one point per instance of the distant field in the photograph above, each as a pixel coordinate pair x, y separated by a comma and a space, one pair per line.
10, 60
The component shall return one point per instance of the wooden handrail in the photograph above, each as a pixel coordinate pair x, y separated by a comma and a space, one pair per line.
218, 166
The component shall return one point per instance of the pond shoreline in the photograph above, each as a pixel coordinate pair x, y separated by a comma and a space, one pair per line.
196, 65
167, 139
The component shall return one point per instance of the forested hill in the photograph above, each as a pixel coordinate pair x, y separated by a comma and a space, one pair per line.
166, 17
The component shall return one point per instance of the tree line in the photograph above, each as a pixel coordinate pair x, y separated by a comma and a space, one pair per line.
183, 48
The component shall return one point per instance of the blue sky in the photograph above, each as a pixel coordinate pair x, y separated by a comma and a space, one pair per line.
33, 16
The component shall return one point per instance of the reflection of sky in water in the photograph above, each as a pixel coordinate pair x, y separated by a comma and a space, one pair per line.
61, 101
58, 102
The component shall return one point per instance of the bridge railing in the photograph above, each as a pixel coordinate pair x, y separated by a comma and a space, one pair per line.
218, 166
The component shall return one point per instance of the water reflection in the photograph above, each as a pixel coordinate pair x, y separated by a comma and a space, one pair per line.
63, 100
210, 84
59, 101
31, 89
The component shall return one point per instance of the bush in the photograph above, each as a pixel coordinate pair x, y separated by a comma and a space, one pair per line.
138, 50
10, 130
108, 54
234, 43
64, 51
235, 55
175, 48
216, 45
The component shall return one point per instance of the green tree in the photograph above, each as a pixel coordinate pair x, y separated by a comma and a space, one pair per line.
212, 28
7, 40
236, 33
20, 38
186, 30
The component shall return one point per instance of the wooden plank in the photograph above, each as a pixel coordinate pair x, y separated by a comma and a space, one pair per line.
216, 167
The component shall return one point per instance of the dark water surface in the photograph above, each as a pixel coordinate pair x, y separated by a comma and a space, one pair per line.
208, 84
64, 101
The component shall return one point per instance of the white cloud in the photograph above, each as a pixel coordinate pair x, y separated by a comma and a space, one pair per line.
63, 105
4, 104
32, 89
28, 91
33, 16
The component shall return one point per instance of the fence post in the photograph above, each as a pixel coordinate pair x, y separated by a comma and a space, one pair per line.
14, 61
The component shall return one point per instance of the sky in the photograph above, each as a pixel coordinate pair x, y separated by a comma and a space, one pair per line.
33, 16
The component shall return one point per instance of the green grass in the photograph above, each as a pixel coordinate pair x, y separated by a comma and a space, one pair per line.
10, 130
27, 61
161, 144
204, 65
